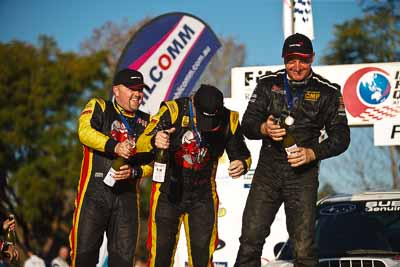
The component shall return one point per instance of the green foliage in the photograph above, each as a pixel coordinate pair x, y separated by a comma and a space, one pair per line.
231, 54
42, 92
373, 38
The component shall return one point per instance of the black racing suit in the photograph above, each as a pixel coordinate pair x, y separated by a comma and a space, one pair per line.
319, 105
192, 166
98, 207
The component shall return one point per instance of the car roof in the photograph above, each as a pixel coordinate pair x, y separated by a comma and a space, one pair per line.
362, 196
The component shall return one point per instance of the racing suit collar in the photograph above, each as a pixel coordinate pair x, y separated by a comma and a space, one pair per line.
297, 84
121, 110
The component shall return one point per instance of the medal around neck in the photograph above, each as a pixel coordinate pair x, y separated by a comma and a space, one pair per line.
289, 120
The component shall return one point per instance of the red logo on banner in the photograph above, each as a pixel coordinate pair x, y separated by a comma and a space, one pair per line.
366, 95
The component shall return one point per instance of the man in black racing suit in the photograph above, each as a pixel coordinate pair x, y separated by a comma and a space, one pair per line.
309, 103
196, 131
108, 129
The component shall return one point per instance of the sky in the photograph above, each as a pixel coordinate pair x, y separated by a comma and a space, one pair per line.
257, 24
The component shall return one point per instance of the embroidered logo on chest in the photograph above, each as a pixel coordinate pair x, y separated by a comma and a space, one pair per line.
312, 95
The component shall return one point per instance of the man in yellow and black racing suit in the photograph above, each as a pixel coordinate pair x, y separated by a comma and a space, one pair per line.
108, 129
196, 131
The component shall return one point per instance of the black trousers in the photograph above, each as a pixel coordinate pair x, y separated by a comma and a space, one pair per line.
105, 209
199, 217
274, 183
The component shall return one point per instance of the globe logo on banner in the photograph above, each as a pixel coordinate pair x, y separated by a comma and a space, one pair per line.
374, 88
171, 52
366, 95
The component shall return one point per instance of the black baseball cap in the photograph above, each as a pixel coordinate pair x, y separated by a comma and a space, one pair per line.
209, 104
297, 45
130, 78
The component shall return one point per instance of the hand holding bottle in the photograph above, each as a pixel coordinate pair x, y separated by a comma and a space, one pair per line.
162, 138
120, 170
9, 223
272, 129
11, 237
301, 156
124, 172
9, 253
9, 249
124, 149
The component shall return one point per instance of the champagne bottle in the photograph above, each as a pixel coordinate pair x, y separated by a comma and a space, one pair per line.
117, 163
11, 238
289, 142
160, 165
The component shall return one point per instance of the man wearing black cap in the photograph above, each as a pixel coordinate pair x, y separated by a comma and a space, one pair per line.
107, 130
306, 103
196, 130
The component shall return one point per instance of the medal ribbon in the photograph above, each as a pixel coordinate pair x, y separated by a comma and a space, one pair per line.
288, 93
125, 122
197, 135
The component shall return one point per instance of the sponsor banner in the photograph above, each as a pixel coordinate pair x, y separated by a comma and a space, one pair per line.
371, 92
171, 51
383, 206
387, 132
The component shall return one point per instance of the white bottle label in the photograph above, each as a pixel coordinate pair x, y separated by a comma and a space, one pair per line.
289, 150
159, 171
109, 180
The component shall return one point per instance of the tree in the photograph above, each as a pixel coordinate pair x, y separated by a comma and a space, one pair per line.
42, 92
218, 71
372, 38
361, 167
113, 38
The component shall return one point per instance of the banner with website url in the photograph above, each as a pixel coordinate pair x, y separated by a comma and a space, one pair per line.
171, 51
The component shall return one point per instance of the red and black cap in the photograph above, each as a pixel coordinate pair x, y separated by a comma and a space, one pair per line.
297, 45
209, 104
130, 78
